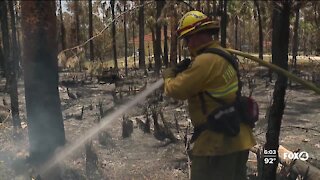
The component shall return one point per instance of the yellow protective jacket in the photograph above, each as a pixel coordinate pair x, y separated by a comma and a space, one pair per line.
212, 73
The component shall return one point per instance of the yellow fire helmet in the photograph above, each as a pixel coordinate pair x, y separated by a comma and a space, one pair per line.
194, 21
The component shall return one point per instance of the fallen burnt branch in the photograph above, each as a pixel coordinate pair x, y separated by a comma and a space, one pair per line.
298, 167
294, 167
297, 127
303, 128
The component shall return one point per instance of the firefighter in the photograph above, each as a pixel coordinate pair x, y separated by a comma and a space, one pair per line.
215, 155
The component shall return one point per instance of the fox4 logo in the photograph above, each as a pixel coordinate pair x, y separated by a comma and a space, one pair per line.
303, 156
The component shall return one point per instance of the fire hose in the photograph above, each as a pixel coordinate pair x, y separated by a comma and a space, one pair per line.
113, 116
277, 69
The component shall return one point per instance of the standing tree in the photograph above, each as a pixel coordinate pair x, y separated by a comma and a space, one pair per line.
5, 40
62, 28
236, 25
190, 6
158, 51
133, 41
207, 9
114, 46
280, 40
151, 25
76, 10
125, 38
13, 70
256, 3
45, 123
179, 50
142, 62
214, 9
199, 5
90, 31
165, 46
295, 43
223, 7
2, 67
18, 24
237, 9
173, 42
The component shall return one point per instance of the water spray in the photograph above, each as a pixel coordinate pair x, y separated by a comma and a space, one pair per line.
61, 155
122, 109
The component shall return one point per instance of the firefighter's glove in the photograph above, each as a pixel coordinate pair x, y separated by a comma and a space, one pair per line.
182, 65
168, 73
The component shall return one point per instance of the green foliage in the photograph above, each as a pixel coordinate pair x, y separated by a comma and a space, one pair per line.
244, 10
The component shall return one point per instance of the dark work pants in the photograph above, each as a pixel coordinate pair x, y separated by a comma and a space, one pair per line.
226, 167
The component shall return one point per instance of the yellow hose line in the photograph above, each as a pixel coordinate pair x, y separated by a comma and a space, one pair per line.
277, 69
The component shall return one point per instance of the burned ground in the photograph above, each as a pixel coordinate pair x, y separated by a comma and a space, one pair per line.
143, 155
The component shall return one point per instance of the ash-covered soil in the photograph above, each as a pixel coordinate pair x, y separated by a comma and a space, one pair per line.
145, 155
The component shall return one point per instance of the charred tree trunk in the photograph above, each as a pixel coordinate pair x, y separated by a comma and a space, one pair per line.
71, 37
179, 51
280, 40
198, 5
62, 28
18, 24
14, 66
316, 13
45, 123
158, 50
133, 43
5, 41
125, 38
256, 3
214, 10
244, 36
173, 42
91, 31
296, 36
236, 23
114, 45
149, 51
76, 14
208, 8
142, 62
165, 46
153, 37
127, 127
240, 35
77, 11
190, 5
1, 62
224, 23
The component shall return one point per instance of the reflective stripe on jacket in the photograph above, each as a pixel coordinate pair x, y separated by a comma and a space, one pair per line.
214, 74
